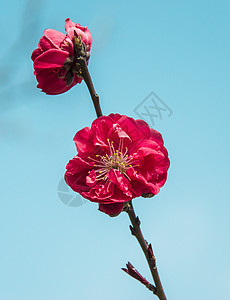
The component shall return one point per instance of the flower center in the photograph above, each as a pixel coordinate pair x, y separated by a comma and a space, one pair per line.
116, 159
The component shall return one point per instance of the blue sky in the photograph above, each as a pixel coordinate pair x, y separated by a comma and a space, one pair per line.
180, 51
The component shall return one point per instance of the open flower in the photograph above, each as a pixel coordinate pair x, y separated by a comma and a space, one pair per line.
118, 159
55, 64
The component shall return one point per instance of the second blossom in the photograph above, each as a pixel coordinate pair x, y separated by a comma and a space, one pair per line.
54, 60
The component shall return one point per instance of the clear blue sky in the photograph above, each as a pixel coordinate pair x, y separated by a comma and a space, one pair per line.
180, 51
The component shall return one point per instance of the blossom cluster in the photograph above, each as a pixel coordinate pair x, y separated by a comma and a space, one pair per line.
118, 158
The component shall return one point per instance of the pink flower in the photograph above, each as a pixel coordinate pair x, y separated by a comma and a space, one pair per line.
54, 60
118, 159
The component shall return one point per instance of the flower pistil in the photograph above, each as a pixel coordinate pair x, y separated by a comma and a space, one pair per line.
116, 159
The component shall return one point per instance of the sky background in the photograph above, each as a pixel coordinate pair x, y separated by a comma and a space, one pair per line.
52, 251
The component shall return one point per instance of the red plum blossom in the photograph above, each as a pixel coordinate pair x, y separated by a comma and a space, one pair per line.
118, 159
55, 64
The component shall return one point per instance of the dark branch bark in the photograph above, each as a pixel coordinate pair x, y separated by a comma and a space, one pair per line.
89, 83
147, 249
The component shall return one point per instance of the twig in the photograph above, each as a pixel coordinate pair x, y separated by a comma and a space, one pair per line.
89, 83
147, 249
135, 274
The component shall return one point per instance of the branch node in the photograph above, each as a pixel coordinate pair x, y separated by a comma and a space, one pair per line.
138, 221
152, 288
133, 231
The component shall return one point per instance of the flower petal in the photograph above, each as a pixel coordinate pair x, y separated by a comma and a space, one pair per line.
140, 185
91, 178
55, 37
51, 84
144, 130
76, 172
36, 53
101, 192
82, 141
156, 136
72, 28
45, 44
129, 125
120, 181
112, 209
77, 165
51, 59
99, 131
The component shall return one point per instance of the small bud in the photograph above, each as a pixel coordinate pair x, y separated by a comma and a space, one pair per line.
135, 274
151, 255
133, 232
87, 56
147, 195
77, 70
68, 63
69, 78
138, 221
150, 250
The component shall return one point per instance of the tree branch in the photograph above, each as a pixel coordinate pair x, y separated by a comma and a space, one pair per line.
147, 249
89, 83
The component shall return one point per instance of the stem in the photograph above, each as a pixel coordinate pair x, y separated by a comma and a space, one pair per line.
136, 231
89, 83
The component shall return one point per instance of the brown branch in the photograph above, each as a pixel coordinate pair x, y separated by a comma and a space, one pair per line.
147, 249
89, 83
